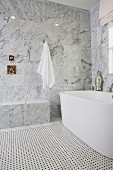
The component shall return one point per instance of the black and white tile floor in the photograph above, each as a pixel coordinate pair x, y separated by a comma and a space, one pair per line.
47, 147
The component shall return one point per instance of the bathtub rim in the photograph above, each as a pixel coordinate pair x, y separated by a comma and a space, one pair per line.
99, 103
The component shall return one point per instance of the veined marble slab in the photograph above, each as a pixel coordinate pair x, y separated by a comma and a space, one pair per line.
24, 113
69, 43
99, 49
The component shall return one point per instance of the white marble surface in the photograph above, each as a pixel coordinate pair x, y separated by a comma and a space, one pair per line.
99, 49
36, 113
70, 46
23, 114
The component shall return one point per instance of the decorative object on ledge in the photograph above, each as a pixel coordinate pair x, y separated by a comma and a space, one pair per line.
11, 58
11, 69
99, 82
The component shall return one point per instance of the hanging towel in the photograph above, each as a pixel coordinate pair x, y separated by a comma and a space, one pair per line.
46, 68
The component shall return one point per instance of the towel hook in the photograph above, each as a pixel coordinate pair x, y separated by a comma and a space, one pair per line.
45, 39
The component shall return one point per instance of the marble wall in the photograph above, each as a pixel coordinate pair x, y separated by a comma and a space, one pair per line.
99, 49
70, 46
24, 114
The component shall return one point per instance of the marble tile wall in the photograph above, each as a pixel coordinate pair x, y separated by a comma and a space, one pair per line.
24, 114
70, 46
99, 49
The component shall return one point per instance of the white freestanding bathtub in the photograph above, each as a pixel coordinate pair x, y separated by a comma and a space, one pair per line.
89, 115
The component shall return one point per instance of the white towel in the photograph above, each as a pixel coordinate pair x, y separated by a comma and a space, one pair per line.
46, 68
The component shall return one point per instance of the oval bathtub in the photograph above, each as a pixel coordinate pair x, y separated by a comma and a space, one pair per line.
89, 115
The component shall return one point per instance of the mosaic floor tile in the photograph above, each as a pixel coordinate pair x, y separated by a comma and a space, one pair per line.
47, 147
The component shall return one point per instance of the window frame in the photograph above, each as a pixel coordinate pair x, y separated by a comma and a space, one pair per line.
110, 25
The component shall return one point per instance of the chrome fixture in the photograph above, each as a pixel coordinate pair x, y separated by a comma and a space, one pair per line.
92, 88
108, 89
112, 87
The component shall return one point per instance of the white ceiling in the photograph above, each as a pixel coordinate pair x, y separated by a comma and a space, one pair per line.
84, 4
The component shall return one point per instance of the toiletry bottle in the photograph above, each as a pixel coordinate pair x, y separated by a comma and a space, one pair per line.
99, 82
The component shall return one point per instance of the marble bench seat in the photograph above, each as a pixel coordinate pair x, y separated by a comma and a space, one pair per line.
16, 114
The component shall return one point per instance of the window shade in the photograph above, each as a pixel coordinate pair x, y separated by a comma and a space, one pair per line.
106, 11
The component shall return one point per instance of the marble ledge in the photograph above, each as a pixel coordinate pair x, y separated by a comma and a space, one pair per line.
24, 114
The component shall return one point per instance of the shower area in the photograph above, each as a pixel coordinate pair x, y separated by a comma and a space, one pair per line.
23, 101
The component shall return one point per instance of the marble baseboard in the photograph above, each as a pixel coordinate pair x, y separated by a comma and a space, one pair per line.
23, 114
